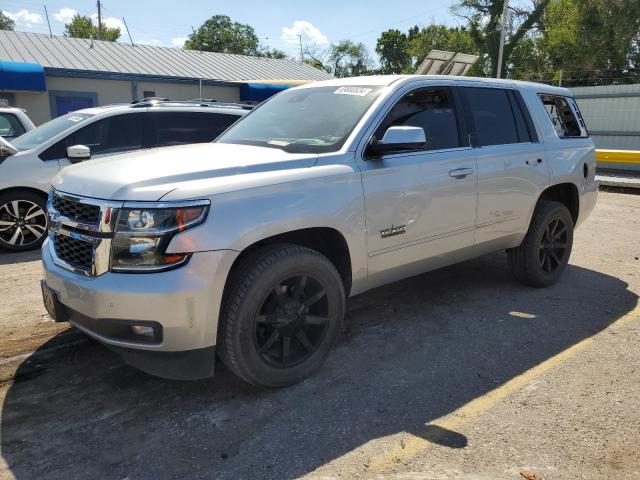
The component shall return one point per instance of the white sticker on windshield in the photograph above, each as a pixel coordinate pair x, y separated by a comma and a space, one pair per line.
74, 118
359, 91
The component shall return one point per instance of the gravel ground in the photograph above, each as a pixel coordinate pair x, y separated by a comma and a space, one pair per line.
459, 373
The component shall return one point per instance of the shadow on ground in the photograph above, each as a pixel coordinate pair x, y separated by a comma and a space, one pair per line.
8, 258
411, 352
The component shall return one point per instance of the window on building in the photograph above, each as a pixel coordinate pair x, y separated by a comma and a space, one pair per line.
429, 108
495, 121
177, 128
148, 94
562, 116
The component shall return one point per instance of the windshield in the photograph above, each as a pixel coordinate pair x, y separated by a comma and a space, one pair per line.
313, 120
46, 131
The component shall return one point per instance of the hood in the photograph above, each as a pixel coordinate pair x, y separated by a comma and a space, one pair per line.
150, 174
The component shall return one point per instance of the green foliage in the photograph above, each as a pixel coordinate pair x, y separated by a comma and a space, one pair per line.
221, 34
393, 49
6, 23
83, 27
349, 59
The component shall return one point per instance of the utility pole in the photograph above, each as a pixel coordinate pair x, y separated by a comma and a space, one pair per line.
48, 22
99, 20
301, 54
503, 30
128, 32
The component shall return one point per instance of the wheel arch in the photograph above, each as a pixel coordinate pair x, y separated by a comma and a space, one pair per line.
35, 191
565, 193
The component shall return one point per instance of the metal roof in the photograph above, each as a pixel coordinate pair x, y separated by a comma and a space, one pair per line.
112, 57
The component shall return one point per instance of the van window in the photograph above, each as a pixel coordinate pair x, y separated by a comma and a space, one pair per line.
429, 108
178, 128
494, 118
119, 133
562, 117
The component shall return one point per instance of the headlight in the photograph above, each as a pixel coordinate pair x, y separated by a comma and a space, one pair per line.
143, 233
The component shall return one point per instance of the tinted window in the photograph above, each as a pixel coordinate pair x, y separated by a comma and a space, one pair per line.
177, 128
429, 108
521, 123
564, 121
492, 115
119, 133
10, 126
47, 131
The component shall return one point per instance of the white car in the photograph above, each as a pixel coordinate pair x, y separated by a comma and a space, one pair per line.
14, 122
29, 162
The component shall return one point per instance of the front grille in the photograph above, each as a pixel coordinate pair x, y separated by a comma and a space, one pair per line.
80, 212
77, 253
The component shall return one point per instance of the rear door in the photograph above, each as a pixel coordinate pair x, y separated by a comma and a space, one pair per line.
512, 164
180, 128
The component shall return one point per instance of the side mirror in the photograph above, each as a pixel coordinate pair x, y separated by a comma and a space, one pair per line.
78, 153
398, 139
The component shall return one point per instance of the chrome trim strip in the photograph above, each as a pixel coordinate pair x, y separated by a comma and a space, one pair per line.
179, 204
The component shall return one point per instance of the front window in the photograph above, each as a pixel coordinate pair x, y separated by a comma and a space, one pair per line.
47, 131
309, 120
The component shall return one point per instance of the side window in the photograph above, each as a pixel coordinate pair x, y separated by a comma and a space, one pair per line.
496, 122
119, 133
178, 128
429, 108
10, 126
562, 116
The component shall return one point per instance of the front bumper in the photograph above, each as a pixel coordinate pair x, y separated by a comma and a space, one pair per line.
184, 303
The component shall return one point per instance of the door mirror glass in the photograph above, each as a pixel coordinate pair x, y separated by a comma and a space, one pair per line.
78, 153
399, 138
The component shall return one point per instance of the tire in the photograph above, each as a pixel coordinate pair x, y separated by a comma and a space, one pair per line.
23, 220
544, 253
267, 301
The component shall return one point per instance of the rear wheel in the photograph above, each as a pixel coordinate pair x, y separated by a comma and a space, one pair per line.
283, 312
544, 253
23, 220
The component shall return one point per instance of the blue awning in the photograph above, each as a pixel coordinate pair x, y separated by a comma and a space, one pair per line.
257, 92
23, 77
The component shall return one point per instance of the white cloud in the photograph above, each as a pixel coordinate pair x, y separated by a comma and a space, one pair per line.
151, 43
24, 17
178, 41
64, 15
310, 33
110, 22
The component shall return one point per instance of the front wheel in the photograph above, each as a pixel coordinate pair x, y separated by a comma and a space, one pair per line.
23, 220
544, 253
282, 313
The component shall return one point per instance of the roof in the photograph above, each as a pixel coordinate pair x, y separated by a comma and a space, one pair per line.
386, 80
78, 54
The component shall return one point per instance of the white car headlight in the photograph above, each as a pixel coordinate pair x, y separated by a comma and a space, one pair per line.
143, 232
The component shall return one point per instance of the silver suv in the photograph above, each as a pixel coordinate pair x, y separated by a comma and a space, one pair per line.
249, 247
28, 163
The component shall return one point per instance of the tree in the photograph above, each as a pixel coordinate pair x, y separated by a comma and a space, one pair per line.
83, 27
392, 48
343, 59
485, 22
220, 34
6, 22
264, 51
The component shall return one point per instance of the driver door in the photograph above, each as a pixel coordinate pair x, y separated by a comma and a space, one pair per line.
421, 205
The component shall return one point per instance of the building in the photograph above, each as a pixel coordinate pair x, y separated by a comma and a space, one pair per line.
50, 76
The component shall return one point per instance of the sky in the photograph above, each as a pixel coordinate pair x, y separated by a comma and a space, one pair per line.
277, 22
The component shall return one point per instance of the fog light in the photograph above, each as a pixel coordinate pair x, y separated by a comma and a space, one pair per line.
146, 331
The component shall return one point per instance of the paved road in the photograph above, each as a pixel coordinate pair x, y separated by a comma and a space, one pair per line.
459, 373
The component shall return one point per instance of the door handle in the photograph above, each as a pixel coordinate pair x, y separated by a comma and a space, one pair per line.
460, 172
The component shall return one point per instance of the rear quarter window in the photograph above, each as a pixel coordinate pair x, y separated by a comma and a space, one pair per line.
565, 116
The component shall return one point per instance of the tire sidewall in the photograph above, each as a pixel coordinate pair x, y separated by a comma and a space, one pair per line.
310, 264
545, 217
39, 200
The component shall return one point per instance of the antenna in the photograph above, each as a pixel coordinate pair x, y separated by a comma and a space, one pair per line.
48, 22
128, 32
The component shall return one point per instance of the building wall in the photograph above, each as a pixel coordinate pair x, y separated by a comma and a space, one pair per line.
38, 105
